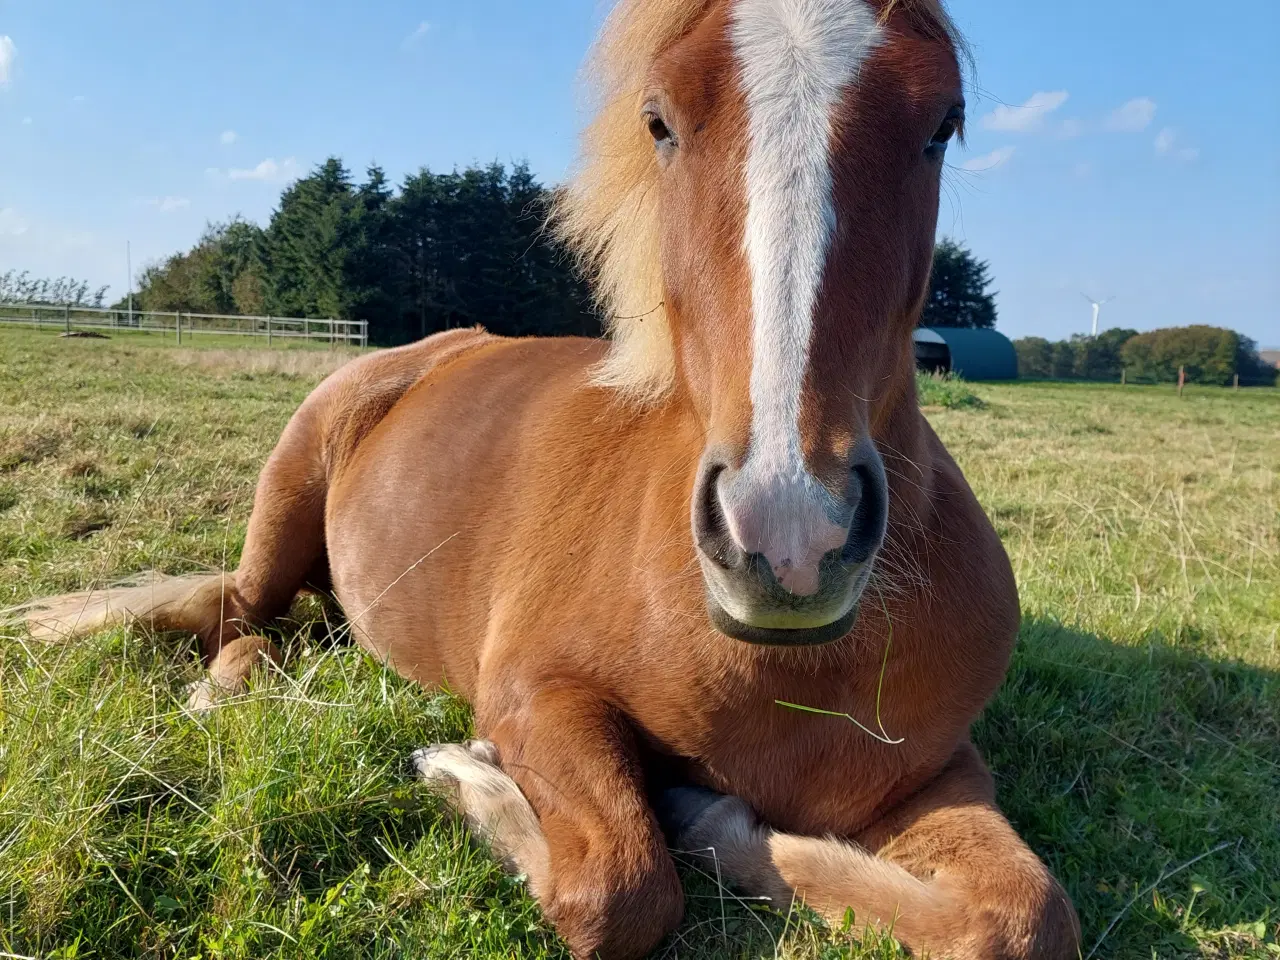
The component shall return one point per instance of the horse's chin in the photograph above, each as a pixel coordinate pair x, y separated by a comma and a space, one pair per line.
756, 609
776, 634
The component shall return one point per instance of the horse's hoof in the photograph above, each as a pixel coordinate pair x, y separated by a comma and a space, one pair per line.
449, 762
432, 763
204, 696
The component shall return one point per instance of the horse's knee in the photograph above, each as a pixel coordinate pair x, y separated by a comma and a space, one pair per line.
1058, 935
614, 913
1040, 925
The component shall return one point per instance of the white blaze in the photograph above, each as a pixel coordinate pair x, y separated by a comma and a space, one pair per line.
797, 59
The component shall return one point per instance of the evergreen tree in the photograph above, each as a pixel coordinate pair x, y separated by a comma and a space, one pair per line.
307, 245
446, 250
958, 294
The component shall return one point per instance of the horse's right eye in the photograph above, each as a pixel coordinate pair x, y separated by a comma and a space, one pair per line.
664, 140
657, 128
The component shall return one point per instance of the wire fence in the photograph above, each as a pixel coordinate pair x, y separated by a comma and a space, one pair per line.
1175, 380
179, 325
1237, 381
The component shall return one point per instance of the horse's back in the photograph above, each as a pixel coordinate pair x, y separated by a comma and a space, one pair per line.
419, 504
354, 399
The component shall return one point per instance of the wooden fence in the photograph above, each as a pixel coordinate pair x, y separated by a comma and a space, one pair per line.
180, 325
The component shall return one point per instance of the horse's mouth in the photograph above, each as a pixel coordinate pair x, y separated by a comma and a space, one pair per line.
779, 636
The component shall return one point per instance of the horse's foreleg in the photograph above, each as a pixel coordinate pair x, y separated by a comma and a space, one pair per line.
491, 803
229, 670
574, 817
945, 872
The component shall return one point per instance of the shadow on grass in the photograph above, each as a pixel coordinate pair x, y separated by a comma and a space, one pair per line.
1149, 780
1121, 766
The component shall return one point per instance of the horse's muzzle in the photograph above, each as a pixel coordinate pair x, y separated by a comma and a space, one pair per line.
784, 560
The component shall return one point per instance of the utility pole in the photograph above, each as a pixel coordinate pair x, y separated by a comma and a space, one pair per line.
128, 259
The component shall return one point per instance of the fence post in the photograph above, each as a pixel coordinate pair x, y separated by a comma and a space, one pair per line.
268, 331
1236, 384
66, 316
1182, 379
364, 333
1124, 376
306, 328
177, 322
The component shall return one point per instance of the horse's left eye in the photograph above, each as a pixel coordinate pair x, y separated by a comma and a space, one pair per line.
950, 127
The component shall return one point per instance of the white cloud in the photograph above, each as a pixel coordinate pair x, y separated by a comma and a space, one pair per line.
268, 171
11, 225
1168, 144
419, 33
169, 204
1028, 116
8, 54
1071, 128
989, 161
79, 98
1132, 117
229, 137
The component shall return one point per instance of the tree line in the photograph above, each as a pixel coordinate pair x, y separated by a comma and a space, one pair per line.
1208, 355
21, 287
444, 250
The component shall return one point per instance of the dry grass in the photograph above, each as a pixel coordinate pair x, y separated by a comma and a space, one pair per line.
313, 364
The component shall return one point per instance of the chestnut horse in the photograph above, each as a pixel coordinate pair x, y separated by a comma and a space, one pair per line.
629, 555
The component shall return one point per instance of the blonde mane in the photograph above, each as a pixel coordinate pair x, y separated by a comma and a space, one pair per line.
608, 211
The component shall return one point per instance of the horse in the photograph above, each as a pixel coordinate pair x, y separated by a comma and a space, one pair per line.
637, 556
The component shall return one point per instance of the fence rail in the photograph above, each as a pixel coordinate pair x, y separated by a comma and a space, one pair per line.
181, 324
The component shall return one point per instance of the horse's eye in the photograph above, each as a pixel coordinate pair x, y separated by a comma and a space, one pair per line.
657, 128
664, 139
950, 127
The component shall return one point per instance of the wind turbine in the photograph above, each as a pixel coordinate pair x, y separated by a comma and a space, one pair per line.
1097, 310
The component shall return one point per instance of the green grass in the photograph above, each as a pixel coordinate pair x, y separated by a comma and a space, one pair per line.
946, 391
1139, 728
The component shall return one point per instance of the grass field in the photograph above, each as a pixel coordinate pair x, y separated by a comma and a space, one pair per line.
1136, 743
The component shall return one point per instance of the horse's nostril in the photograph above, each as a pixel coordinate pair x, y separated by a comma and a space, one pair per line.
869, 491
711, 530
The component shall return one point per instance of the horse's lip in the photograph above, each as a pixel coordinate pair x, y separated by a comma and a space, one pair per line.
775, 637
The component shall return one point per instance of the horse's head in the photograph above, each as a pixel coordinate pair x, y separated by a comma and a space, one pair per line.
790, 201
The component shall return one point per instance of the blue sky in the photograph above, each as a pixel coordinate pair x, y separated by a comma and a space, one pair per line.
1127, 148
